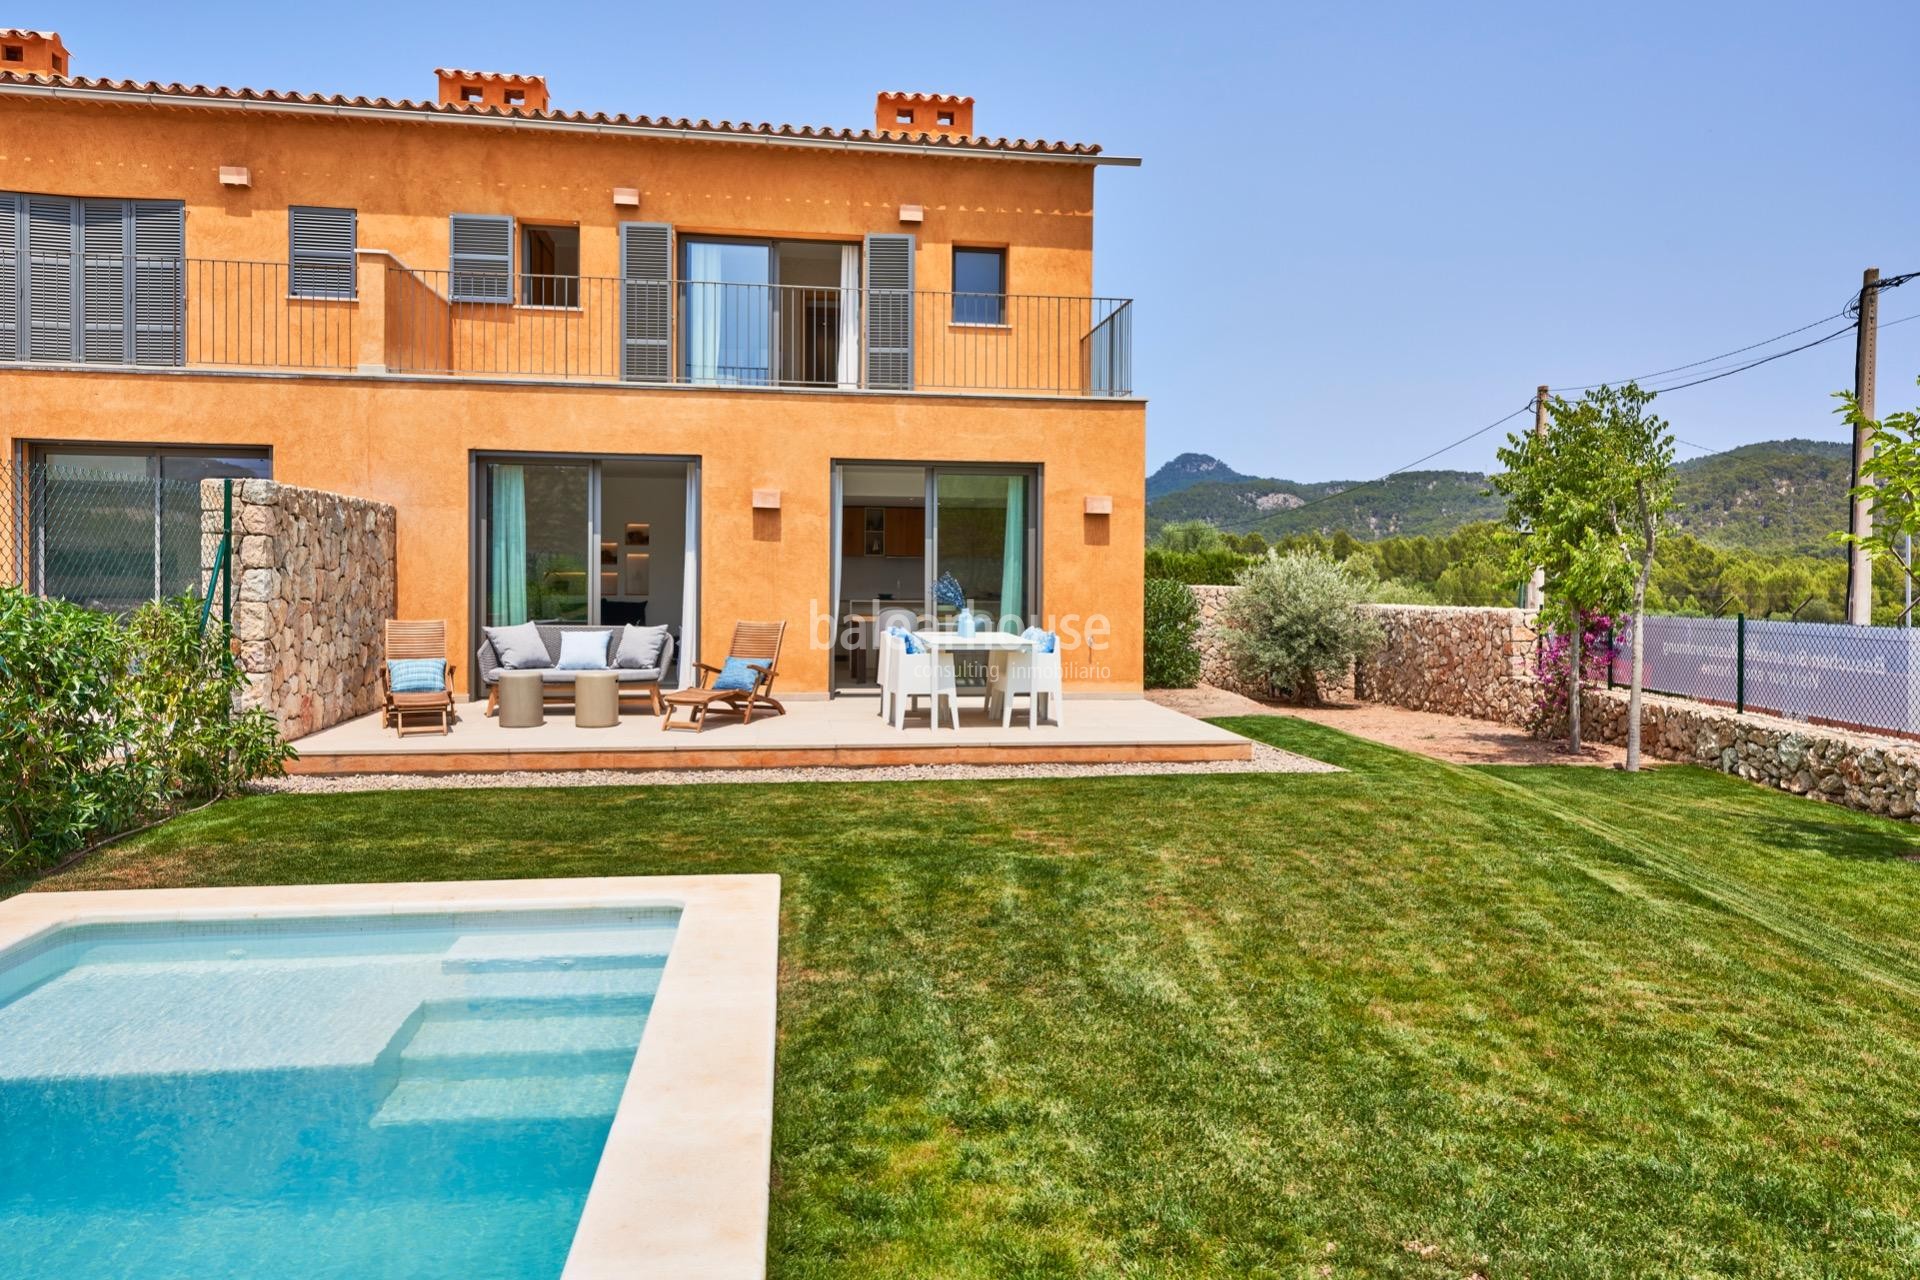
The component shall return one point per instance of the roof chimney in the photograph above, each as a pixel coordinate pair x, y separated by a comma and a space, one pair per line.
38, 53
491, 89
940, 114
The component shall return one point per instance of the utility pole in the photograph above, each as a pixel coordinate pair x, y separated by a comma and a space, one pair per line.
1866, 339
1537, 584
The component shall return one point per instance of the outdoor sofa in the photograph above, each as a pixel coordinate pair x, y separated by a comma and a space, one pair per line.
557, 686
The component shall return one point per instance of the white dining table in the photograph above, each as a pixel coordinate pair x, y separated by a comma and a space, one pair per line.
946, 643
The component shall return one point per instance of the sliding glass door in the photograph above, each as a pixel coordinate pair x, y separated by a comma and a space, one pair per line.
983, 545
916, 543
727, 333
601, 541
539, 530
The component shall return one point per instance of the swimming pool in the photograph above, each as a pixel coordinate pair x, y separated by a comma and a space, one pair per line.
424, 1094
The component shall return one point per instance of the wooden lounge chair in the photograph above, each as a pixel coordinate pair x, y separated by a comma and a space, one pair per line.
754, 641
415, 640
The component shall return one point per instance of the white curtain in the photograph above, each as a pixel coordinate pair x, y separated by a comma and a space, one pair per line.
706, 301
849, 372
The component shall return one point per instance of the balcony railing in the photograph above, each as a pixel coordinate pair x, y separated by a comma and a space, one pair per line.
393, 318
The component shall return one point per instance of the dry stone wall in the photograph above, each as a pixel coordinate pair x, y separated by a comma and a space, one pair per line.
1478, 663
1457, 661
1463, 662
1879, 775
313, 587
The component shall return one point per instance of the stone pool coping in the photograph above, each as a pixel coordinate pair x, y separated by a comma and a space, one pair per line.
682, 1186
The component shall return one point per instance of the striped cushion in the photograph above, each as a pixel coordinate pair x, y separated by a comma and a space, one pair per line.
417, 675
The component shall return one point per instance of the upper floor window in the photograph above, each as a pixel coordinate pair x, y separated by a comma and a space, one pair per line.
320, 249
549, 266
979, 286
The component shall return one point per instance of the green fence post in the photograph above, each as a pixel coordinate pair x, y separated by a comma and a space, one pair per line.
1740, 663
226, 539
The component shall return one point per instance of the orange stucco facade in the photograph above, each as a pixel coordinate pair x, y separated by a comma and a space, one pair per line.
411, 440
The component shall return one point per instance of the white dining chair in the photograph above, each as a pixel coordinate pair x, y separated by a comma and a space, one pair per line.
907, 676
1029, 672
886, 616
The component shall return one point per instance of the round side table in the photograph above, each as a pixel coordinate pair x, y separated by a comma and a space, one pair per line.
596, 700
521, 701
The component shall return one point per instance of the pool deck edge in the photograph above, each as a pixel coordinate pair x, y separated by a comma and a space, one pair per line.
682, 1184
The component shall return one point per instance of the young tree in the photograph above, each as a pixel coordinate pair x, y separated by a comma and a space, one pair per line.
1556, 519
1637, 481
1890, 479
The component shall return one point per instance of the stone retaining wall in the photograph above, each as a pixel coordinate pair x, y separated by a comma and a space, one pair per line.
1463, 662
1456, 661
1879, 775
313, 587
1478, 662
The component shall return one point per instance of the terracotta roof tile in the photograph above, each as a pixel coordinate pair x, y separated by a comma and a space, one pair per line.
510, 77
186, 94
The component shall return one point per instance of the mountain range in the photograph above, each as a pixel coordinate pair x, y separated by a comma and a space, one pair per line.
1778, 497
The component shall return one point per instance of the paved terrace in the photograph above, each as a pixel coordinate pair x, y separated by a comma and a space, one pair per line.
844, 731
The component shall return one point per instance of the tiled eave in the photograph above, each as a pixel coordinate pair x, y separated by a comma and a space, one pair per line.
203, 97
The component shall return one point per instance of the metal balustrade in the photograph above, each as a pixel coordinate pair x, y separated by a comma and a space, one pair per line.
383, 316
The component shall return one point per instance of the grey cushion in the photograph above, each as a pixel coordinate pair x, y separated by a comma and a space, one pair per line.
640, 648
520, 648
555, 675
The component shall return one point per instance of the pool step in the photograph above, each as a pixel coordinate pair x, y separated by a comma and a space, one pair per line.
510, 992
549, 952
533, 1044
502, 1098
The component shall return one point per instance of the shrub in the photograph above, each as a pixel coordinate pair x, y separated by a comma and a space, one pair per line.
1217, 567
1547, 716
104, 724
1173, 622
1296, 622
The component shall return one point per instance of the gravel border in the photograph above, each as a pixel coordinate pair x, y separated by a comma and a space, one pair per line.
1266, 759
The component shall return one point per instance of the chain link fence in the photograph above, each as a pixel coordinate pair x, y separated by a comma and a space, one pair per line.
108, 540
1861, 678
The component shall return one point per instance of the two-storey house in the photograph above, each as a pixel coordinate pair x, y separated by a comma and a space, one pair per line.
606, 368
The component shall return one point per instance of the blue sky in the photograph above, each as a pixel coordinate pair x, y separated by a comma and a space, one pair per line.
1361, 231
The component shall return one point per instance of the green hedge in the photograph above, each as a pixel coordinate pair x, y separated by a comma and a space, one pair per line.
107, 724
1173, 620
1218, 566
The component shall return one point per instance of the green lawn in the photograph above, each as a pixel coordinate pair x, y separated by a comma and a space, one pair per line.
1409, 1020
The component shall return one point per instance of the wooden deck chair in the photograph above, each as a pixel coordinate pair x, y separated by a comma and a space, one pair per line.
415, 640
756, 642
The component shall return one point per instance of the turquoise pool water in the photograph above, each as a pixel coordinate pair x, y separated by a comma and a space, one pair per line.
421, 1098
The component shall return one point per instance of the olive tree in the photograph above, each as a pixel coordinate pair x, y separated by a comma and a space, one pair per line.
1295, 622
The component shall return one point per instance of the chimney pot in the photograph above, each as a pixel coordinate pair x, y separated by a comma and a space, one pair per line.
499, 89
940, 114
35, 53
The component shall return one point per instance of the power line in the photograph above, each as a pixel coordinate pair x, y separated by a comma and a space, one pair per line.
1752, 346
1755, 364
1263, 516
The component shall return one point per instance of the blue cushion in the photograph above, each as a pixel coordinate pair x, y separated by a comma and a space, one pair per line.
1046, 639
948, 591
741, 674
417, 675
906, 638
583, 651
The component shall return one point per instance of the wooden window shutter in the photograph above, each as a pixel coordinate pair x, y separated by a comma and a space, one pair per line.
482, 260
889, 303
159, 281
646, 302
52, 277
104, 296
11, 253
320, 252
